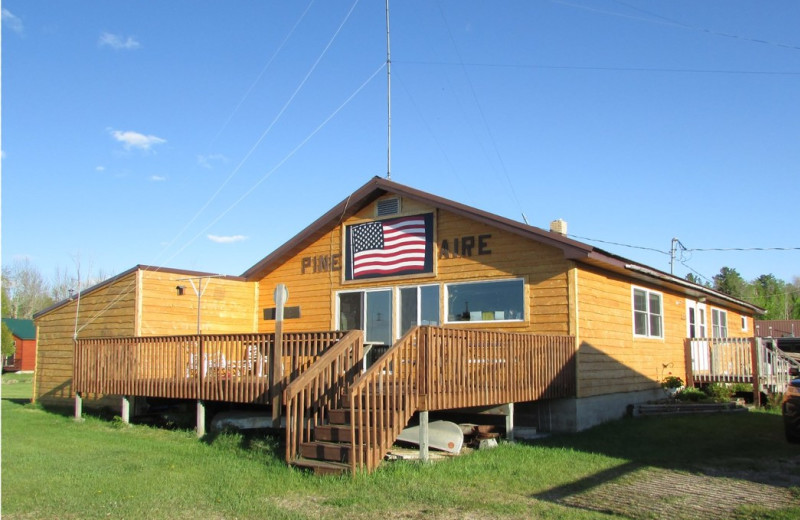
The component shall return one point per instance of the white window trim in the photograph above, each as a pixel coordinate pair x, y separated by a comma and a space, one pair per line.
647, 292
446, 302
714, 327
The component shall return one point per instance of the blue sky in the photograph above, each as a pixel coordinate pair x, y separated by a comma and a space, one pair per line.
204, 134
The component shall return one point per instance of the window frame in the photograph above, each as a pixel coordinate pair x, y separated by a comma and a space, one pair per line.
445, 318
648, 313
718, 324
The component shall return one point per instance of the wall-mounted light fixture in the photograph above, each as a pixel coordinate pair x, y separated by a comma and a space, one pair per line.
180, 289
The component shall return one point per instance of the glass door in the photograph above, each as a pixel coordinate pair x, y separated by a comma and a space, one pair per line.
370, 311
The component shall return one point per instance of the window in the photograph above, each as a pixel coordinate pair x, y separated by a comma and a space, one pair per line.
486, 301
647, 318
719, 323
418, 306
744, 323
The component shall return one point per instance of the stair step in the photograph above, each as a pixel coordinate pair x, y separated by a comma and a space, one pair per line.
323, 450
332, 433
322, 467
342, 416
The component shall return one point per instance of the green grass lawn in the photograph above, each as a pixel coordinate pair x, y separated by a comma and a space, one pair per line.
54, 467
17, 386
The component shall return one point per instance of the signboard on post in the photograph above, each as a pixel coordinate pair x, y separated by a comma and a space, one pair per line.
281, 296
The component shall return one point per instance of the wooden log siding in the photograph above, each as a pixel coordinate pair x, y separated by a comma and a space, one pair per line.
434, 368
321, 388
214, 367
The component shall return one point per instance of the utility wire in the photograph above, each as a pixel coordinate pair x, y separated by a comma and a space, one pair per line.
745, 249
263, 71
128, 289
620, 244
663, 20
600, 68
481, 112
266, 131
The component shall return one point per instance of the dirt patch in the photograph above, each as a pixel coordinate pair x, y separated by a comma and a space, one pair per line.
662, 493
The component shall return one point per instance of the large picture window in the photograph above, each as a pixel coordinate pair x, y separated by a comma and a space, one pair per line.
647, 314
502, 300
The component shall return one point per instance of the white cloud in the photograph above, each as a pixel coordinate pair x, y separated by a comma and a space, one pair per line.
12, 21
157, 178
118, 42
227, 240
100, 168
136, 140
206, 160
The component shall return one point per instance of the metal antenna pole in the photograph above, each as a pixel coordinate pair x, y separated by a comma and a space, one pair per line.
389, 98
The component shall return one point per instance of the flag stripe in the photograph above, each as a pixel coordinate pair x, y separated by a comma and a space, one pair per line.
389, 246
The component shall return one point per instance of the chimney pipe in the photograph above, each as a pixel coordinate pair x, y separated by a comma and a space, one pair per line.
559, 226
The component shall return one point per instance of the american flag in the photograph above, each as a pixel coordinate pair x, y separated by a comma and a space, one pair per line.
389, 246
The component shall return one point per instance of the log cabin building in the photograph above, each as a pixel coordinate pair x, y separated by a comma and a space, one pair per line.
390, 260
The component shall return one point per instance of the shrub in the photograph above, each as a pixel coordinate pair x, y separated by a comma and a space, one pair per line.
672, 382
691, 394
719, 392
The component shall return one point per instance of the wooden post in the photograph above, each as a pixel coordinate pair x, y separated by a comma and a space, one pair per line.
126, 409
510, 422
423, 436
755, 345
201, 418
281, 296
78, 406
688, 362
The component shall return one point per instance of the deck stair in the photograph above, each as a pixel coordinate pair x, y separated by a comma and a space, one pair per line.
329, 453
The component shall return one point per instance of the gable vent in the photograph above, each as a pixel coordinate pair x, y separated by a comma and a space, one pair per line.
387, 207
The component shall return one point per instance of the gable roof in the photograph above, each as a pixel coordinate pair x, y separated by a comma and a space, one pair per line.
113, 279
572, 249
23, 329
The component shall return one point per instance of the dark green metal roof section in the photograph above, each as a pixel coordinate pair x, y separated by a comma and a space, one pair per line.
23, 329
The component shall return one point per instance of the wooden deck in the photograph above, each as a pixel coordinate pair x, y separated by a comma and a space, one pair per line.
231, 367
322, 381
737, 360
430, 368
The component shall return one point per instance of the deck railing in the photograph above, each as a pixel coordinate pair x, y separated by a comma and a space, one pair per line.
434, 368
312, 395
213, 367
383, 399
737, 360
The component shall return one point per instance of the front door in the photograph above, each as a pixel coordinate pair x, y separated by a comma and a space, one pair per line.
370, 311
697, 328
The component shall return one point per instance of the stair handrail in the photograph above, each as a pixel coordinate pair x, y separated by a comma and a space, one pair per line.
392, 384
320, 388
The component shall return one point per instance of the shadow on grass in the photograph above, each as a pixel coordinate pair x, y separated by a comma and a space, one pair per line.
722, 461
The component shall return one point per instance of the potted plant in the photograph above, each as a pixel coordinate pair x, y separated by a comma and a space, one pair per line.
671, 385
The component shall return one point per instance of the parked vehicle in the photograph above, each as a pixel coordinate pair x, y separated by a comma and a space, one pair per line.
791, 409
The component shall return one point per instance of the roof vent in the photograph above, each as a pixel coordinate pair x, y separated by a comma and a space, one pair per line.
559, 226
387, 207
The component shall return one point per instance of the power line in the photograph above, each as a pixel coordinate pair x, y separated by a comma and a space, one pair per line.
607, 69
745, 249
620, 244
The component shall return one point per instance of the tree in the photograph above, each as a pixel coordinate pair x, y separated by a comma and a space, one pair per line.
26, 290
8, 347
65, 284
730, 282
771, 294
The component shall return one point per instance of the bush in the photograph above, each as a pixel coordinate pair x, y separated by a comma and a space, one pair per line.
691, 394
719, 392
741, 388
